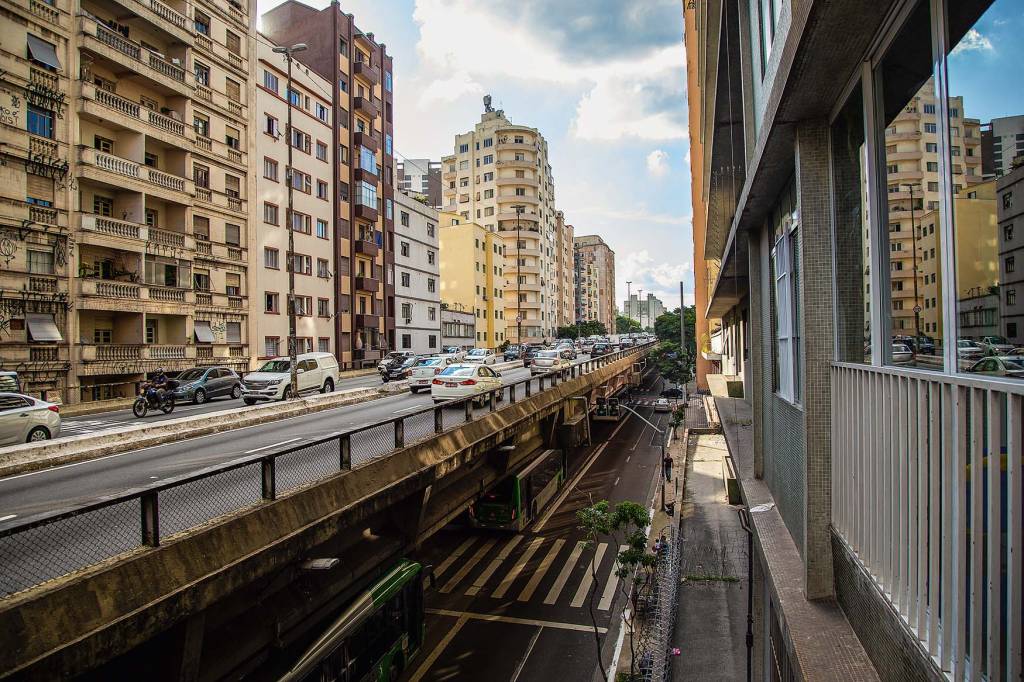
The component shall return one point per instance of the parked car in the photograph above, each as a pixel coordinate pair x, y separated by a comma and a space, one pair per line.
586, 346
549, 361
199, 384
394, 355
316, 371
968, 350
995, 345
484, 356
673, 393
999, 367
923, 345
901, 353
398, 368
422, 373
600, 349
662, 405
567, 349
464, 380
513, 352
455, 352
24, 419
10, 382
530, 354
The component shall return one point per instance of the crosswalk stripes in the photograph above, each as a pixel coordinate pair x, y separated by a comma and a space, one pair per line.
459, 551
563, 575
517, 567
609, 587
493, 566
467, 567
588, 577
541, 571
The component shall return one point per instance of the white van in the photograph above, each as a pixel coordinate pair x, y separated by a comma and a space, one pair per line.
316, 372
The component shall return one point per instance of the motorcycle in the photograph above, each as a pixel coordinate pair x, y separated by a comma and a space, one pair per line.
151, 399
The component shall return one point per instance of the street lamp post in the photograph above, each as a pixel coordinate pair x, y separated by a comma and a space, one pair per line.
639, 309
917, 304
292, 337
629, 301
519, 280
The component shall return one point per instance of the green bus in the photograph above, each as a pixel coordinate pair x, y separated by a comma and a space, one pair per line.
519, 498
375, 638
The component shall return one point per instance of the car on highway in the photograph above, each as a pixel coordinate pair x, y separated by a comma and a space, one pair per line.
464, 380
995, 345
567, 350
24, 419
484, 356
673, 393
901, 353
968, 350
200, 384
455, 352
316, 372
586, 346
600, 349
999, 367
513, 352
549, 361
398, 368
422, 373
662, 405
394, 355
530, 354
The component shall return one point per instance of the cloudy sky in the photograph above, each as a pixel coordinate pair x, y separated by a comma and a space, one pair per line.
603, 80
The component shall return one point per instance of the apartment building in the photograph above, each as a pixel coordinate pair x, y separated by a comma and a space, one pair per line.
565, 273
421, 176
499, 177
1002, 141
645, 311
417, 276
877, 551
473, 278
311, 174
360, 71
1010, 212
458, 327
156, 209
594, 263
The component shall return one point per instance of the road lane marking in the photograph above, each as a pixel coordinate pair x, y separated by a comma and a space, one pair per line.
617, 479
639, 438
541, 571
267, 447
609, 587
467, 567
576, 479
482, 579
8, 517
577, 627
517, 567
526, 656
459, 551
563, 575
588, 577
408, 409
439, 649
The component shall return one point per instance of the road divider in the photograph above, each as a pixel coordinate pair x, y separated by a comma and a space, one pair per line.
22, 459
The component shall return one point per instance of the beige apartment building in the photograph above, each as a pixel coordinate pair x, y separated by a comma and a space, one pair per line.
125, 191
499, 177
594, 263
312, 212
565, 271
472, 271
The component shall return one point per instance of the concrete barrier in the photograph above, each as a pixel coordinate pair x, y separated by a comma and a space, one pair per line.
21, 459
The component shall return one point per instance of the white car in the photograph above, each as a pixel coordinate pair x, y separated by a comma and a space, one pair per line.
484, 356
968, 350
549, 361
662, 405
421, 375
24, 419
464, 380
454, 352
901, 353
316, 372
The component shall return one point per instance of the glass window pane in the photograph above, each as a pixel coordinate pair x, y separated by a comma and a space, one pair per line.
986, 119
913, 284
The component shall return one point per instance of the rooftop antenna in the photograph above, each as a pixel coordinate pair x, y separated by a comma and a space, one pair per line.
487, 104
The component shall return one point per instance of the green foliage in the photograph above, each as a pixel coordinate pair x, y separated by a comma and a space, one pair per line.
575, 331
672, 363
627, 522
626, 325
666, 328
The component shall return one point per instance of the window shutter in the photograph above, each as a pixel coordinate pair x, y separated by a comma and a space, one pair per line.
39, 187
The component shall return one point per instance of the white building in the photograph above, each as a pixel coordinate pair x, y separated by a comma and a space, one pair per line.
417, 276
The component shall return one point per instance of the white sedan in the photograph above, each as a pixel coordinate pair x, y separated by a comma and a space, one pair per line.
662, 405
462, 381
422, 374
484, 356
24, 419
549, 361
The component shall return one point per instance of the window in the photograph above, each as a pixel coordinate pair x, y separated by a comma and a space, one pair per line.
202, 23
201, 176
431, 285
430, 229
488, 158
40, 262
270, 258
40, 121
270, 81
488, 176
270, 169
302, 181
303, 306
406, 341
321, 229
233, 42
321, 190
488, 194
233, 90
463, 148
103, 144
404, 248
321, 151
1011, 296
232, 235
432, 313
269, 214
301, 223
271, 346
270, 126
389, 209
387, 144
43, 53
323, 307
295, 98
786, 299
201, 124
367, 160
405, 279
367, 195
343, 85
387, 81
931, 147
301, 140
323, 269
202, 72
929, 128
430, 257
271, 302
303, 264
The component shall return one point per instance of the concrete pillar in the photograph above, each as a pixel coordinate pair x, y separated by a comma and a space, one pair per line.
817, 307
758, 335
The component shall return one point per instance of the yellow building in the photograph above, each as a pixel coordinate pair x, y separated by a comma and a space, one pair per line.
472, 276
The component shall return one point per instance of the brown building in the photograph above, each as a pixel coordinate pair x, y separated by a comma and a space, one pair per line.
595, 281
364, 255
421, 177
565, 286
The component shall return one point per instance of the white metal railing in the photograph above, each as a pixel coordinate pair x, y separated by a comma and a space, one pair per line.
926, 491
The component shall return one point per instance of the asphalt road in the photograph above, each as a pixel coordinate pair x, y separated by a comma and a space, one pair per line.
516, 607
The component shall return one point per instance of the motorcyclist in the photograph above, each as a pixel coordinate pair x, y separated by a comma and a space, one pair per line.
157, 389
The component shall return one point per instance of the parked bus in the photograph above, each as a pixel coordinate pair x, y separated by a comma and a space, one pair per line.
375, 638
520, 498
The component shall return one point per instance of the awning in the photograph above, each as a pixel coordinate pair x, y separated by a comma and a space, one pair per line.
42, 327
43, 52
203, 332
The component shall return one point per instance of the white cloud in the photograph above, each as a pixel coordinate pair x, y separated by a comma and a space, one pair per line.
449, 89
973, 41
657, 163
658, 278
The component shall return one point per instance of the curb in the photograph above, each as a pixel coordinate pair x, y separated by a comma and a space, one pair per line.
21, 459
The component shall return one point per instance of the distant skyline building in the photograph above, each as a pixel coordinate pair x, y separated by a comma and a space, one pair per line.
1002, 140
420, 176
651, 308
594, 263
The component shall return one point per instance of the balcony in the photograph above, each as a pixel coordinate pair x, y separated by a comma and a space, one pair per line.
527, 219
46, 12
522, 269
115, 47
365, 71
111, 232
516, 146
365, 212
220, 52
366, 247
159, 14
508, 200
220, 199
366, 175
516, 163
173, 357
365, 106
366, 321
176, 240
912, 155
113, 170
907, 135
365, 140
108, 294
368, 284
516, 182
107, 106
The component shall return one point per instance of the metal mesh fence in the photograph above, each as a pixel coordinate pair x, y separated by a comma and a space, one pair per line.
371, 443
419, 426
453, 415
696, 417
307, 464
196, 502
661, 615
39, 554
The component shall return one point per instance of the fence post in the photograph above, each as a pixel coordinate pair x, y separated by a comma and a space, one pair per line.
511, 393
150, 519
469, 409
438, 420
345, 451
267, 469
399, 433
528, 386
554, 378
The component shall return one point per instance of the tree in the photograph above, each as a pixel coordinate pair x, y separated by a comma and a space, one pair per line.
666, 328
672, 363
624, 526
589, 328
626, 325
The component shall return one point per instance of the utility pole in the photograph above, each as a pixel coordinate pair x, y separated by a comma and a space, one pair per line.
640, 309
917, 303
629, 302
519, 280
292, 336
682, 318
